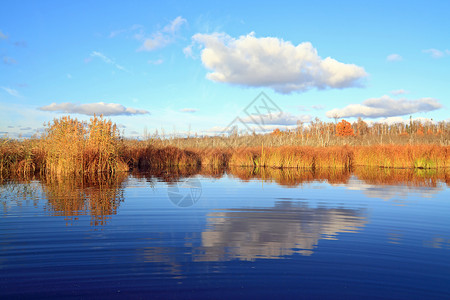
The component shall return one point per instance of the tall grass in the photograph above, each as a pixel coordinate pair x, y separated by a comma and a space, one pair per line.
72, 147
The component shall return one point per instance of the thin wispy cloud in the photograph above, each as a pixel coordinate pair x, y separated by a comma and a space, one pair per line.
21, 44
312, 107
107, 109
108, 60
435, 53
162, 38
11, 91
189, 110
9, 60
117, 32
273, 63
394, 57
399, 92
156, 62
385, 107
278, 119
3, 36
136, 31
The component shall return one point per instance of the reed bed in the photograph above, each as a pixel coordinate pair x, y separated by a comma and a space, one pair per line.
72, 147
403, 156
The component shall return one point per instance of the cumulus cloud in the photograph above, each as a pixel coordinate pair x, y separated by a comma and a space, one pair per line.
399, 92
277, 119
272, 62
394, 57
108, 60
107, 109
435, 53
162, 38
189, 110
385, 106
10, 91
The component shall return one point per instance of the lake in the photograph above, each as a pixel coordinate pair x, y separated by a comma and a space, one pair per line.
222, 234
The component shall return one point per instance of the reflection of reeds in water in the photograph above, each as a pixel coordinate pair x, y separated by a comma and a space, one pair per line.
409, 177
97, 196
291, 177
19, 191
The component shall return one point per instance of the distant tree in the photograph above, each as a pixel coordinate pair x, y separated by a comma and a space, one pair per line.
344, 128
362, 127
276, 132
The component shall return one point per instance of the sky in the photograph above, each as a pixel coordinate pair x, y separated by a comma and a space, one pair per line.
196, 66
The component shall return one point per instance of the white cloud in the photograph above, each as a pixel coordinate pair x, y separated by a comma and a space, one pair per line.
435, 53
156, 62
218, 130
116, 32
277, 119
107, 109
272, 62
175, 25
388, 192
399, 92
394, 57
396, 120
108, 60
162, 38
10, 91
385, 107
188, 51
137, 31
318, 107
189, 110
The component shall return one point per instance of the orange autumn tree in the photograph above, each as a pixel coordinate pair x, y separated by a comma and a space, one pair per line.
276, 132
344, 128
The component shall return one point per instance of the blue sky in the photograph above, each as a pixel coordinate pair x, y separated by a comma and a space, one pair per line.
182, 66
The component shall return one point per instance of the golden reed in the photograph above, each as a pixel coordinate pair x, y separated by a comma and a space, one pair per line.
69, 146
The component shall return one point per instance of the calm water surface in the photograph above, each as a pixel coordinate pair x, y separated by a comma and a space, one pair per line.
240, 234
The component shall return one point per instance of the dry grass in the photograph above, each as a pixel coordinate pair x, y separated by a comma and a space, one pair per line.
71, 147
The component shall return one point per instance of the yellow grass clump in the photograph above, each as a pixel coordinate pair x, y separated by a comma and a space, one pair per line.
75, 147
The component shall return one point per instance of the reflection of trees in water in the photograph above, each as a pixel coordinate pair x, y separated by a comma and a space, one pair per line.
98, 196
285, 229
